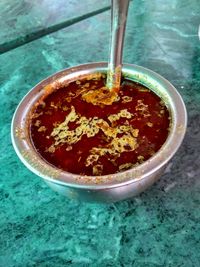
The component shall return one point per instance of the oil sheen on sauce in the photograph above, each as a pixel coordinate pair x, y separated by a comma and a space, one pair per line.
75, 128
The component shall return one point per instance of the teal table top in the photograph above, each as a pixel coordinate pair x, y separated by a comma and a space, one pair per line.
25, 20
160, 227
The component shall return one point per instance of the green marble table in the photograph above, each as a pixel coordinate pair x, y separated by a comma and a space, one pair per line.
38, 227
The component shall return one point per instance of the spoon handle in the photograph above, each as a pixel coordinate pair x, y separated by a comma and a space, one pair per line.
118, 24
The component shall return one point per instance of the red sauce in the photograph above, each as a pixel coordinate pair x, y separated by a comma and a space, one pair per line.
116, 143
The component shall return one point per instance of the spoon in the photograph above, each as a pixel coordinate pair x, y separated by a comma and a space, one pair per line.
119, 12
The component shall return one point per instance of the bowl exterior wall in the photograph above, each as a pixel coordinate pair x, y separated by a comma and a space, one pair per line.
109, 195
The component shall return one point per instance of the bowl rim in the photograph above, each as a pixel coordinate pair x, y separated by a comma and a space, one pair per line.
33, 161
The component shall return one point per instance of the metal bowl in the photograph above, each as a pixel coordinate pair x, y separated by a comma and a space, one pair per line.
106, 188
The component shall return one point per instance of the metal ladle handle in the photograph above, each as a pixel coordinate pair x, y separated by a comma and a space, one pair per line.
118, 24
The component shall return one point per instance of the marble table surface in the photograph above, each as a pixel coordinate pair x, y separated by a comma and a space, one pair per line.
160, 227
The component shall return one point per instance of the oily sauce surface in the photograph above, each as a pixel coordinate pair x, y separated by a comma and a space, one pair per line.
87, 138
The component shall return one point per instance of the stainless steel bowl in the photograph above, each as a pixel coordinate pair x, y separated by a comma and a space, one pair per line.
107, 188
